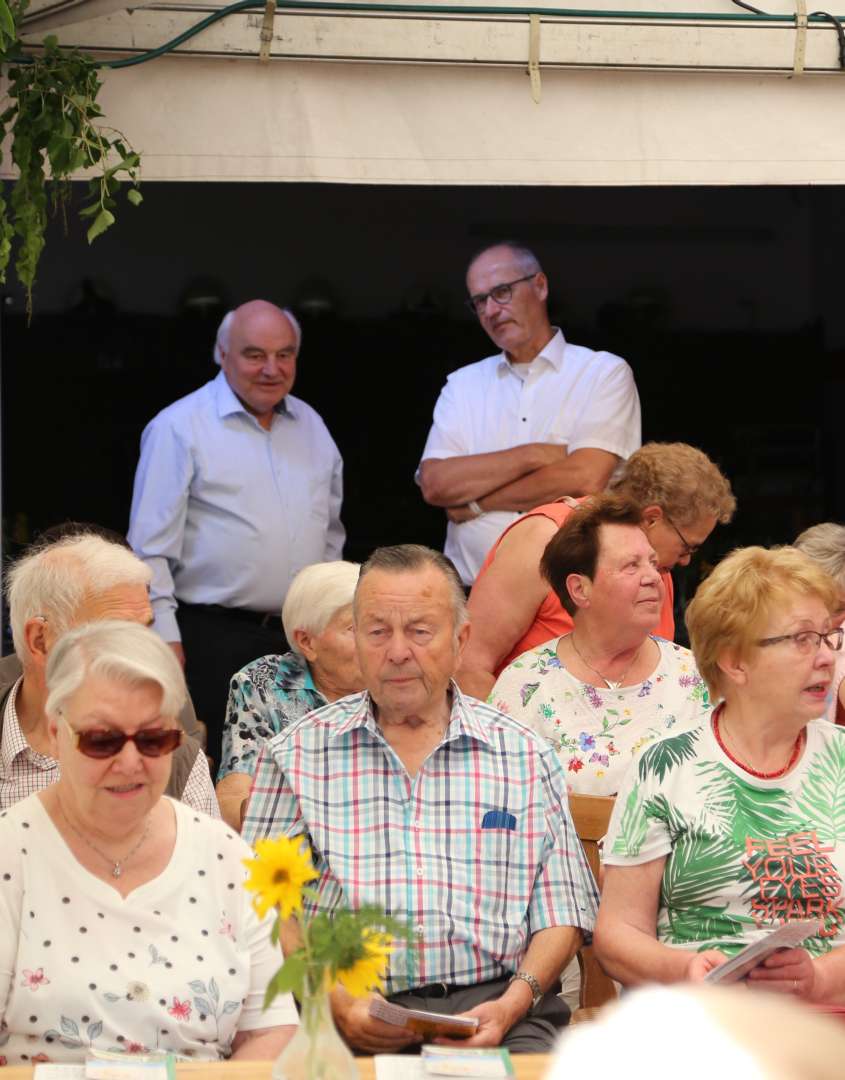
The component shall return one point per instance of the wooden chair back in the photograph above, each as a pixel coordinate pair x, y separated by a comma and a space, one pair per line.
591, 816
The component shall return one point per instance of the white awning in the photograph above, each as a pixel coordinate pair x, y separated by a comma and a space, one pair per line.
445, 98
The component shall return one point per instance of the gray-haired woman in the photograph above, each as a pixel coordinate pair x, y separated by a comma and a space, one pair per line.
123, 921
825, 544
274, 690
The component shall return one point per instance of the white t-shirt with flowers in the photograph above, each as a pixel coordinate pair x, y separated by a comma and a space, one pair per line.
179, 964
596, 731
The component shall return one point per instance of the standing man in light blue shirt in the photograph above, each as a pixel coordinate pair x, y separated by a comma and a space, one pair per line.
238, 487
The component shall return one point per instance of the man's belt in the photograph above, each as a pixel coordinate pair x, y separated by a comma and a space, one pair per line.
268, 619
443, 990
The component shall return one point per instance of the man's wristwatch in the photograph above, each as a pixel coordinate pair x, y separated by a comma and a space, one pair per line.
536, 992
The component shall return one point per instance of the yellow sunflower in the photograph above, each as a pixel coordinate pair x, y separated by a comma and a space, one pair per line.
369, 969
277, 873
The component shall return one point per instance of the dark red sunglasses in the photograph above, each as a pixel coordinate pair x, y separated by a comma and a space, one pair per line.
151, 742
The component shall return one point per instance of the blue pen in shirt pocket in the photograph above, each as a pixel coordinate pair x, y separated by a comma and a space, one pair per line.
498, 819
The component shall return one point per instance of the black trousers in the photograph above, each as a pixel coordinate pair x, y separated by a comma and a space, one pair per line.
218, 642
535, 1033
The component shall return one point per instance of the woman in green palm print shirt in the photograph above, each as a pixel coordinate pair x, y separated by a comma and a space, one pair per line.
730, 829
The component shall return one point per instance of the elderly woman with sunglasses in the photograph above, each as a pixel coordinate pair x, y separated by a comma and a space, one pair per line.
123, 921
734, 827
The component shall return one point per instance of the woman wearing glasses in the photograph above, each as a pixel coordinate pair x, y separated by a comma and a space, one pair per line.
726, 831
123, 921
682, 495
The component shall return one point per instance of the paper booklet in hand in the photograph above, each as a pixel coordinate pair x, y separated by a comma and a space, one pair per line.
784, 937
422, 1022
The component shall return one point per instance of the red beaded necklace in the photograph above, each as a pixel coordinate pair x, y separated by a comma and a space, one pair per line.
793, 757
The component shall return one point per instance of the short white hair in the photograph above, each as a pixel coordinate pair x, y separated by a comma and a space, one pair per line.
825, 544
54, 580
316, 595
221, 342
117, 650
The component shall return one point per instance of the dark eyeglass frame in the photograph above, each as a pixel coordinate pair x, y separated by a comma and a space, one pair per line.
689, 549
837, 633
477, 303
150, 742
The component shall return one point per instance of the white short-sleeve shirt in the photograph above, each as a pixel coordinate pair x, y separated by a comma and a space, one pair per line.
179, 964
572, 396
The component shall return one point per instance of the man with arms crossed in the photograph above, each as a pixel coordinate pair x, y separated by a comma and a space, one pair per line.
541, 419
444, 811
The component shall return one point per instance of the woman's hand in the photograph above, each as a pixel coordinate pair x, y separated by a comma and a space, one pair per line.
788, 971
702, 963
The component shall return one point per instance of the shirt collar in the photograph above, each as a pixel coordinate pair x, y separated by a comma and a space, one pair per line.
551, 353
229, 404
462, 721
13, 742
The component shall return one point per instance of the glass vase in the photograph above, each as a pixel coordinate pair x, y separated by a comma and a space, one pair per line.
317, 1051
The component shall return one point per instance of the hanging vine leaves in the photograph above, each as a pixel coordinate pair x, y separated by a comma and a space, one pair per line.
56, 126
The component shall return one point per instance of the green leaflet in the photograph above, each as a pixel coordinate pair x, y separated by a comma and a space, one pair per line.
817, 946
699, 867
661, 809
666, 754
53, 124
633, 826
707, 925
744, 809
822, 795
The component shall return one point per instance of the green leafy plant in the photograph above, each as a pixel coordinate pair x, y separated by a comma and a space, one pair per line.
56, 126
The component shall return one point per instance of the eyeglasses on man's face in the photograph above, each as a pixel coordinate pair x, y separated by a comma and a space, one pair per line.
809, 641
502, 294
689, 549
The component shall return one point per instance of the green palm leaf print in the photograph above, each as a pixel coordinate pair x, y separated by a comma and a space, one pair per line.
708, 925
822, 795
633, 826
697, 871
743, 809
666, 754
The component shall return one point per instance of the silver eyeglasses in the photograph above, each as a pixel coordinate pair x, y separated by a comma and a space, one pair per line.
807, 641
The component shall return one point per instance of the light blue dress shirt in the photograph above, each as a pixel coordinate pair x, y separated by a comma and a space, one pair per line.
226, 512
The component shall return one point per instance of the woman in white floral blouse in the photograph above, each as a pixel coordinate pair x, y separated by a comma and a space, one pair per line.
124, 924
606, 689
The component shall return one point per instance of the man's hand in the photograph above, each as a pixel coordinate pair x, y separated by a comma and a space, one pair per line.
176, 646
365, 1032
460, 514
551, 453
496, 1021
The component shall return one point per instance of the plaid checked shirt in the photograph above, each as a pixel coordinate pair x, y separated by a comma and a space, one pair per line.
23, 771
477, 852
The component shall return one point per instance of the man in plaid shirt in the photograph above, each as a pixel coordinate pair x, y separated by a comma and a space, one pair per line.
451, 815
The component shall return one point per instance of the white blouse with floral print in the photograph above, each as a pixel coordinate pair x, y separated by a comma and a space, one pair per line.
179, 964
596, 731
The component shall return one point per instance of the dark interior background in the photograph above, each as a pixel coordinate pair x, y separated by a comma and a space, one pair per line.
725, 301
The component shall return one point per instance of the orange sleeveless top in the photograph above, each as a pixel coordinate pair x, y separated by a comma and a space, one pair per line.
551, 619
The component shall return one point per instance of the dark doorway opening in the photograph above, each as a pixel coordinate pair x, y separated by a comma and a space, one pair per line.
725, 301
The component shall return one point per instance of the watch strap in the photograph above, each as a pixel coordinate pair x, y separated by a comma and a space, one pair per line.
536, 991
